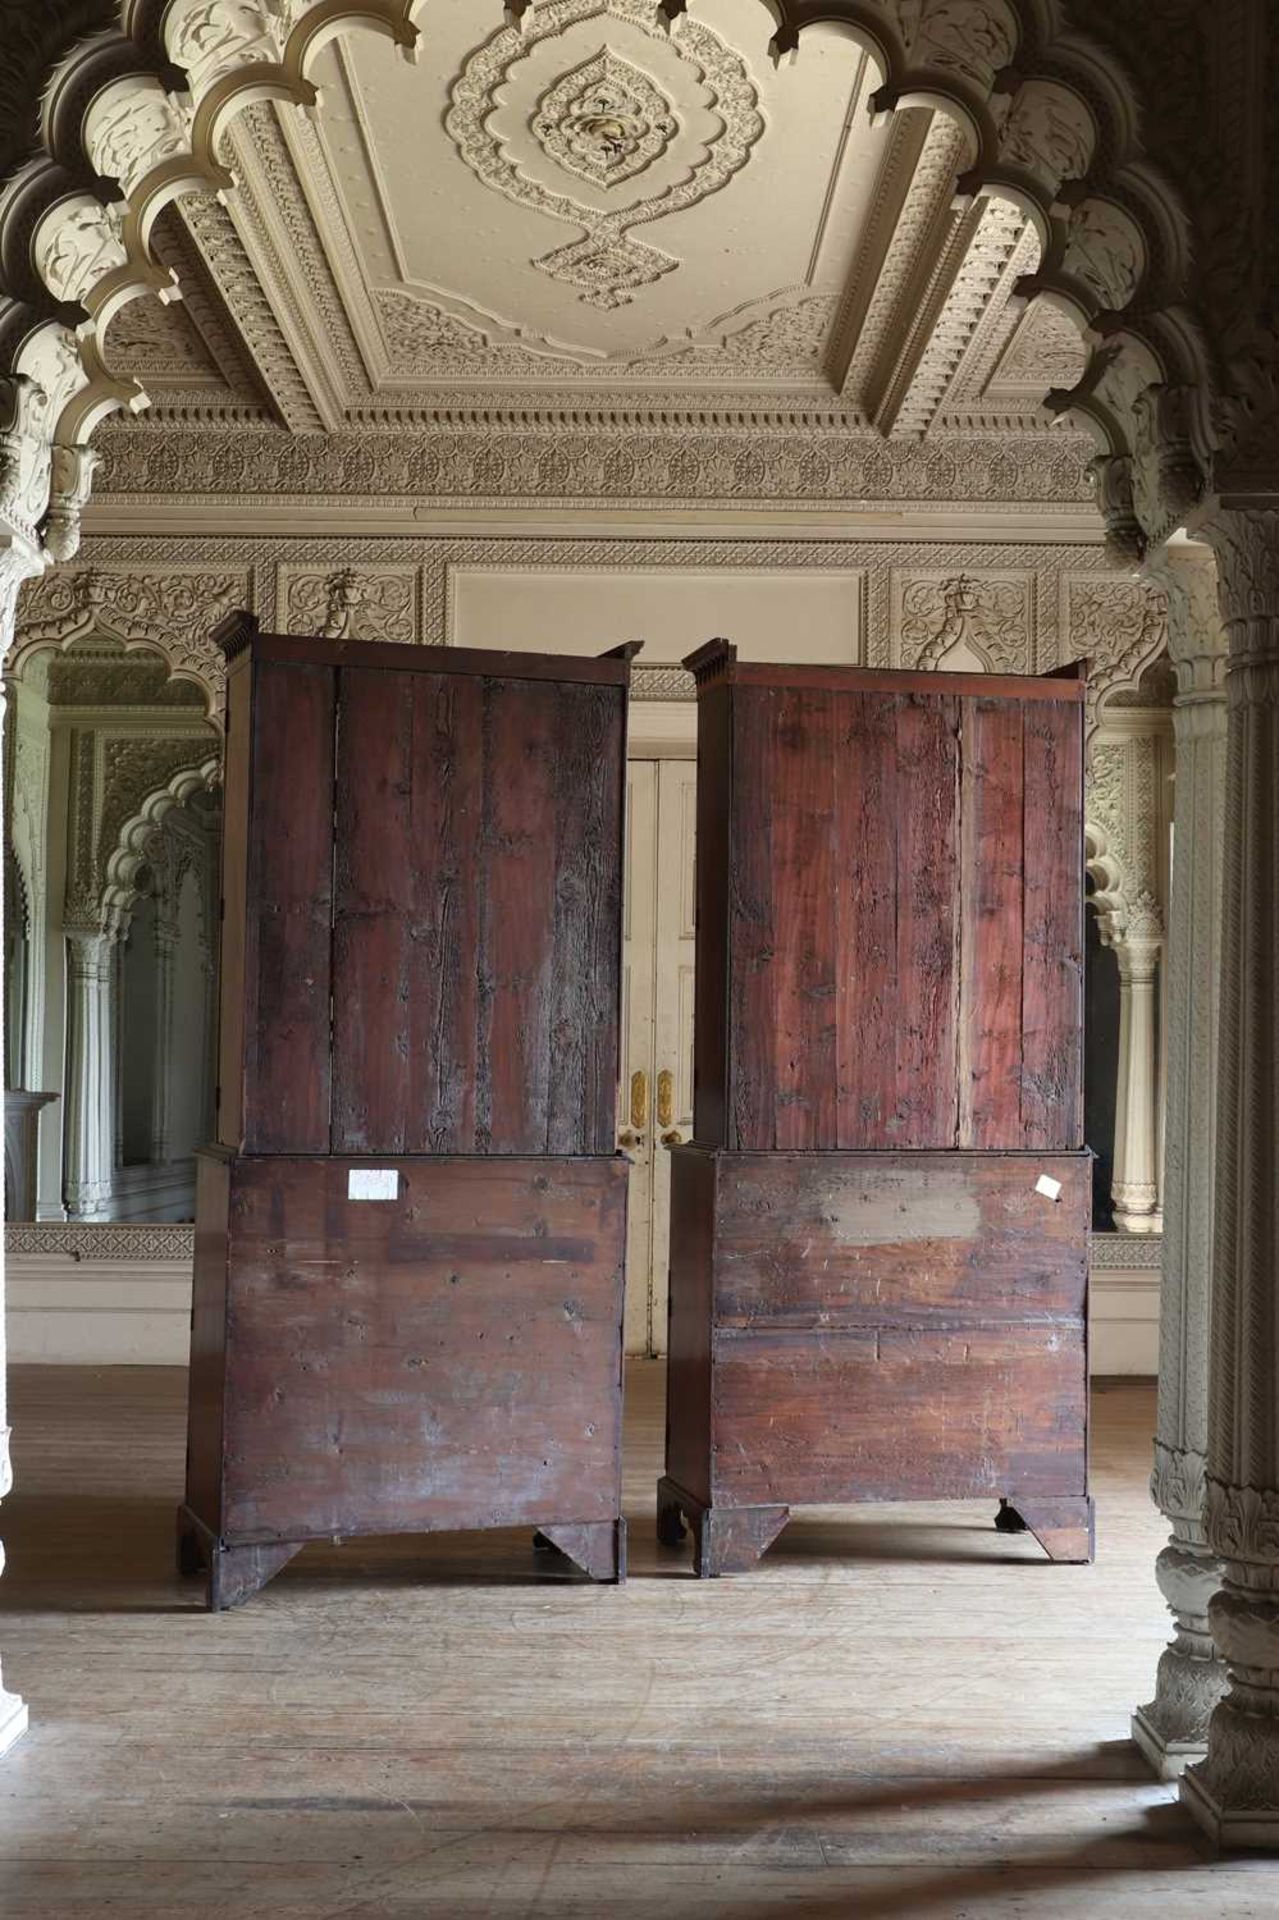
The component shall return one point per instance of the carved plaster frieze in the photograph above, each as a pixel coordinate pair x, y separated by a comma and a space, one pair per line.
126, 1242
567, 465
428, 343
1028, 602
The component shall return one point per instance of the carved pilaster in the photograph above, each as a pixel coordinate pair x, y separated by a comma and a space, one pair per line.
1234, 1792
90, 1092
18, 562
166, 956
1135, 1188
1172, 1729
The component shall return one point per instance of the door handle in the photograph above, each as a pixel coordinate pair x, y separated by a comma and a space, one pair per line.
639, 1100
673, 1138
665, 1098
628, 1137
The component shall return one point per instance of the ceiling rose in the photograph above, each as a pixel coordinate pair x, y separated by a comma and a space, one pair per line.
605, 121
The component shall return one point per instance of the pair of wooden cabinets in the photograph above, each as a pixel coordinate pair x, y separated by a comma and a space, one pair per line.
410, 1238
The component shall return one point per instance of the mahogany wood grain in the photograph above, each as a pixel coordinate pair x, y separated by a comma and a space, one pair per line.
992, 884
711, 880
876, 1326
237, 959
802, 980
424, 875
290, 867
866, 905
1052, 972
928, 911
450, 1358
893, 949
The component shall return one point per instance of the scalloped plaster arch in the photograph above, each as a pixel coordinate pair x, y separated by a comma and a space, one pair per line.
1113, 254
90, 619
120, 891
1112, 886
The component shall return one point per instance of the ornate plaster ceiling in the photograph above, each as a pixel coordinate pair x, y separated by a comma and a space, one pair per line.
592, 207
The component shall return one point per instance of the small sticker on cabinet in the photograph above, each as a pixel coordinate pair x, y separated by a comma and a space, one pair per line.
1048, 1186
373, 1183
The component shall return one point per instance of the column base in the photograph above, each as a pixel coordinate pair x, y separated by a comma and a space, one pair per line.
1168, 1758
1229, 1827
13, 1720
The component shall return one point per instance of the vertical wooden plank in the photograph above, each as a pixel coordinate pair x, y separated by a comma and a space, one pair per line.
711, 981
805, 892
927, 920
287, 1079
752, 995
990, 896
585, 969
237, 945
866, 998
376, 873
516, 914
1052, 967
444, 995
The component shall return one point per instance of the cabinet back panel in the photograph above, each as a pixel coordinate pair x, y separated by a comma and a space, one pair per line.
903, 919
287, 1075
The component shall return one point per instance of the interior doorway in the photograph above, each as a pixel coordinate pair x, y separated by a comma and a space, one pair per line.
655, 1100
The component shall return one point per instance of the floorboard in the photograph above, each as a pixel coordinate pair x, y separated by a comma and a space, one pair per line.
901, 1712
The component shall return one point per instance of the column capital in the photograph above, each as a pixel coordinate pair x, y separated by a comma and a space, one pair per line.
1197, 643
1245, 540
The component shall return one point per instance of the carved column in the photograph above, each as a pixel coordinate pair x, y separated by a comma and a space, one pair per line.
90, 1119
1234, 1792
1173, 1728
167, 935
1135, 1187
17, 563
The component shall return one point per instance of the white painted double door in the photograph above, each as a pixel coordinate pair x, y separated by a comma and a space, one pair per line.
655, 1103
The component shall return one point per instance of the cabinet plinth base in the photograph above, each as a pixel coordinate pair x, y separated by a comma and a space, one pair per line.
725, 1539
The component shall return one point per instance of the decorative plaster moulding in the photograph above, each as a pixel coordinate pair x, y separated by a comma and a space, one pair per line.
606, 122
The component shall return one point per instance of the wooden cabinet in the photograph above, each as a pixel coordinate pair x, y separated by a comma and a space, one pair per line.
411, 1237
879, 1240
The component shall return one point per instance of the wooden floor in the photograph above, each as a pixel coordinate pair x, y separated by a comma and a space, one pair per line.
900, 1713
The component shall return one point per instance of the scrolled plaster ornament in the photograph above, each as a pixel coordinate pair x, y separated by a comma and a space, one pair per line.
607, 265
1177, 1484
1049, 132
1106, 252
1172, 478
76, 244
134, 125
352, 603
71, 480
212, 37
973, 37
604, 120
1112, 476
991, 617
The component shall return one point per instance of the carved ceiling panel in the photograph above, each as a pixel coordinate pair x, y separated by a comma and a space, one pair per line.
587, 192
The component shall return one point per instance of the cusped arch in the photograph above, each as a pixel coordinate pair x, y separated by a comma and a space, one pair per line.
1028, 94
120, 890
88, 618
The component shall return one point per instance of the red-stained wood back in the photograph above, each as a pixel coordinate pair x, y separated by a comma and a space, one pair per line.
424, 874
892, 917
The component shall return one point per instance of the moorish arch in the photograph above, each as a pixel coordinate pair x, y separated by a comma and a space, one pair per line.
134, 116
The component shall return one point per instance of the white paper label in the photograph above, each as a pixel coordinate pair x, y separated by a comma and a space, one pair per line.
1048, 1186
372, 1183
